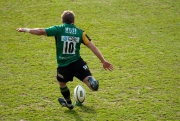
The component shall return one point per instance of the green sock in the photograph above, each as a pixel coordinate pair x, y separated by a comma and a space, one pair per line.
66, 94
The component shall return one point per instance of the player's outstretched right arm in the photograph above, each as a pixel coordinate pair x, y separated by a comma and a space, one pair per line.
36, 31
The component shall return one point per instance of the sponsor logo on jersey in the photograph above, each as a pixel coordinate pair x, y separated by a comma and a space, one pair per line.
70, 39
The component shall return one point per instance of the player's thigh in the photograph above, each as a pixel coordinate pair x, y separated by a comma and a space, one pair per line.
81, 70
64, 75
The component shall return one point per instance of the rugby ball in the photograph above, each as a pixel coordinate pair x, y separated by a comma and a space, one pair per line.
79, 94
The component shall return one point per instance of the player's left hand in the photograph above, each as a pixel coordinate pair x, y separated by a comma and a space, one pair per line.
107, 66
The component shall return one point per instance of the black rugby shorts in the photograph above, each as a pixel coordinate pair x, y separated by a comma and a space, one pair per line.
78, 69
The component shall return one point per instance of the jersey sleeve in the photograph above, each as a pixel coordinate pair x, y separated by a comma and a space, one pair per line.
85, 38
52, 31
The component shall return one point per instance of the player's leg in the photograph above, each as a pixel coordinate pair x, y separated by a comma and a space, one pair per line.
65, 92
91, 83
66, 101
83, 73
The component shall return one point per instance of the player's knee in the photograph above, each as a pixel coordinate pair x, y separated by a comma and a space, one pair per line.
94, 83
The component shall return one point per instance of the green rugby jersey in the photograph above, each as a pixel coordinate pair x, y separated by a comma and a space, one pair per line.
68, 40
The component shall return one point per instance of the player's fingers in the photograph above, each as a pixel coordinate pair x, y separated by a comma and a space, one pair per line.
20, 30
110, 68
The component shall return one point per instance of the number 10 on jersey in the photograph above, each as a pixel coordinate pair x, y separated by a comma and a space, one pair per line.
69, 47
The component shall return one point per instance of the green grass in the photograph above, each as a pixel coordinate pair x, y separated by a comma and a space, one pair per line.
140, 38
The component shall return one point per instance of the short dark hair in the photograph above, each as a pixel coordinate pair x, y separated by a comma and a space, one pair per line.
68, 17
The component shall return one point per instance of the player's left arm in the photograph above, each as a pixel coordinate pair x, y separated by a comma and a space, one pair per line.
36, 31
95, 50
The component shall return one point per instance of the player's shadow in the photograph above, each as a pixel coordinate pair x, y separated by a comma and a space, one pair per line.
75, 114
82, 109
87, 109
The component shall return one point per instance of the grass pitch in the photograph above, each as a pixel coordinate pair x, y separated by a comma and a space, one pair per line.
140, 38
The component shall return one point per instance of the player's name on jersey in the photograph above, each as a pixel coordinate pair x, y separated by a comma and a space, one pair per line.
70, 30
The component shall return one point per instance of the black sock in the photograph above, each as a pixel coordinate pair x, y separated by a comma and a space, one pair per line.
66, 94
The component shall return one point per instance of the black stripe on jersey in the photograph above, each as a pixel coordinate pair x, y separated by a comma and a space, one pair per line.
88, 37
56, 42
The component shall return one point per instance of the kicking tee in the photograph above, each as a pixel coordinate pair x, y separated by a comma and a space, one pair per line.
68, 40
